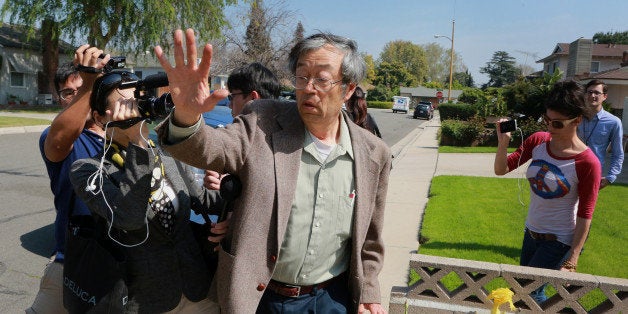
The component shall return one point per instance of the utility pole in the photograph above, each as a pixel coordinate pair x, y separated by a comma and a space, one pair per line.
451, 57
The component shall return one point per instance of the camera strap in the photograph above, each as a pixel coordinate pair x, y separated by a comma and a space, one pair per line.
86, 69
125, 124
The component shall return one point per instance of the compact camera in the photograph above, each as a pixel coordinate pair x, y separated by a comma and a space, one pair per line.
508, 126
114, 63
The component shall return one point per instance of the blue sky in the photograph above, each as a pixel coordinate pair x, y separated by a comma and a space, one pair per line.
482, 27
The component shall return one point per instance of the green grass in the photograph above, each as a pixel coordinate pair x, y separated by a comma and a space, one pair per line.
17, 121
484, 221
476, 149
32, 109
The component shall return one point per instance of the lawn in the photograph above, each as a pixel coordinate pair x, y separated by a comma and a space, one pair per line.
466, 149
17, 121
483, 220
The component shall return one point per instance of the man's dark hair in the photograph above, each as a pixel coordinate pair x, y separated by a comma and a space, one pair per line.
104, 85
255, 77
597, 82
64, 71
567, 98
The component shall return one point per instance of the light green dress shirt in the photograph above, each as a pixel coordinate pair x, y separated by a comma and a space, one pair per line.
316, 245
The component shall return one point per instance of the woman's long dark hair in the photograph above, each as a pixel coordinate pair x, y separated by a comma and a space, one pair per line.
356, 107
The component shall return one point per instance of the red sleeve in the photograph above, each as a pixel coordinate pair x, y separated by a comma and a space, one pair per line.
524, 152
589, 172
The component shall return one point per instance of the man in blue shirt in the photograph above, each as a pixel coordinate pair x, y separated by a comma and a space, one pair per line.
72, 135
601, 131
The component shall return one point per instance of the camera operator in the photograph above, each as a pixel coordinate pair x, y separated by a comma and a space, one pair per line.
71, 136
148, 195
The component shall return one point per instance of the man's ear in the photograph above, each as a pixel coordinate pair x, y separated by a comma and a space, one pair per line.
350, 89
98, 118
255, 95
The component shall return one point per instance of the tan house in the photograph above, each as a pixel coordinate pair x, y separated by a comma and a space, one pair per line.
583, 60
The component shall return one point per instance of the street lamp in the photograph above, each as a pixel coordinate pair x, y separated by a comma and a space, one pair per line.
451, 58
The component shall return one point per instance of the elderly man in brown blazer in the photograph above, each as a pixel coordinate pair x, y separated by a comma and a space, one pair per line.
306, 233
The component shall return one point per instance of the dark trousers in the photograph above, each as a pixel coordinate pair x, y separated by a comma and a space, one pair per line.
333, 299
541, 253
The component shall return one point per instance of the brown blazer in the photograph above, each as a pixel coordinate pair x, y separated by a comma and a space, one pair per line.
263, 147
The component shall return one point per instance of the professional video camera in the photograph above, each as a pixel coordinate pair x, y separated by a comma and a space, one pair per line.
151, 108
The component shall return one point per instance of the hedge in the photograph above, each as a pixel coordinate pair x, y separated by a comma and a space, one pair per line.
380, 104
456, 111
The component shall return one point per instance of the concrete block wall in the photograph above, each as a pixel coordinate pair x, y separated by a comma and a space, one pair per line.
429, 295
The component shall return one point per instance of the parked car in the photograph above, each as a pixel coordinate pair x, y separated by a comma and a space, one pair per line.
220, 116
423, 110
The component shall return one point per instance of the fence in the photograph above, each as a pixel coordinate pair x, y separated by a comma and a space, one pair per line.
430, 295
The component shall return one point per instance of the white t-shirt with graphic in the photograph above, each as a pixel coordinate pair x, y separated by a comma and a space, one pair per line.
561, 188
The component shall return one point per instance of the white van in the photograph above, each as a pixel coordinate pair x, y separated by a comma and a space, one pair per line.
401, 103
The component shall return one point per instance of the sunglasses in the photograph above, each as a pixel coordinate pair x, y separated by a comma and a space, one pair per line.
557, 123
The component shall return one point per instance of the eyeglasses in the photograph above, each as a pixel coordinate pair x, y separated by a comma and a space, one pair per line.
557, 123
595, 93
230, 96
319, 83
67, 93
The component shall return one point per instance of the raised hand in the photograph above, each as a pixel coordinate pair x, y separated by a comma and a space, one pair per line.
86, 57
189, 86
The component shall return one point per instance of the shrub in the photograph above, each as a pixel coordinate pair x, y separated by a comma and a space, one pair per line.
527, 125
380, 104
458, 111
461, 133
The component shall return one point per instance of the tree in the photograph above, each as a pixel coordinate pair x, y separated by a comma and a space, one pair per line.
618, 38
407, 54
257, 38
501, 70
464, 78
298, 32
370, 68
123, 25
527, 96
388, 78
272, 25
438, 59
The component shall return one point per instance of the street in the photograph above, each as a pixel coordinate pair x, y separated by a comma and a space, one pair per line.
27, 212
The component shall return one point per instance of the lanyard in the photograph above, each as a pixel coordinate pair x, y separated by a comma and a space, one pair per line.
584, 130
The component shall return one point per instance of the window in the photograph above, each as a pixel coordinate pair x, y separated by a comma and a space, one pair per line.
138, 73
595, 66
17, 78
554, 67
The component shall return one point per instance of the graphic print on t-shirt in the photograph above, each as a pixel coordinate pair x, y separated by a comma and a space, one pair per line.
547, 174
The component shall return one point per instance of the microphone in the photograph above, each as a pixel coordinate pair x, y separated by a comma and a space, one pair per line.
230, 189
151, 81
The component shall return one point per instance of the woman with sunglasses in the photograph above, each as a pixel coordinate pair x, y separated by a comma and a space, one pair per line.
148, 195
564, 178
